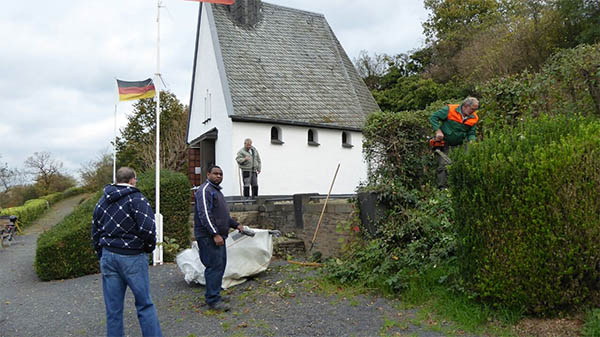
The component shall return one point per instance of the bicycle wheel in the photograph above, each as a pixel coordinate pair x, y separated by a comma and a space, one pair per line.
11, 236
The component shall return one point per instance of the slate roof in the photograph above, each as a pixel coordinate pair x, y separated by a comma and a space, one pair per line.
290, 67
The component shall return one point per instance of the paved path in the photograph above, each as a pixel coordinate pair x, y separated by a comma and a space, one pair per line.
283, 301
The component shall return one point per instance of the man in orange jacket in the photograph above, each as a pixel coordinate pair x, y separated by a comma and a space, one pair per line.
454, 124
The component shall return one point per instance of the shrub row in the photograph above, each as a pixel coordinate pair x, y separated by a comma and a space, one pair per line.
65, 251
34, 208
527, 214
28, 212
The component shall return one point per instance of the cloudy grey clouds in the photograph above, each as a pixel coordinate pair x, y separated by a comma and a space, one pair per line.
59, 61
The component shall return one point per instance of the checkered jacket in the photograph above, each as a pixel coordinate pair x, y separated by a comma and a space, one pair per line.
123, 221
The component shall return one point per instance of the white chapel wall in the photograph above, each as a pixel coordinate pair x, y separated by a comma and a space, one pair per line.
209, 107
295, 167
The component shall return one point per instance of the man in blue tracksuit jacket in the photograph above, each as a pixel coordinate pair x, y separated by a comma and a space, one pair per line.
211, 227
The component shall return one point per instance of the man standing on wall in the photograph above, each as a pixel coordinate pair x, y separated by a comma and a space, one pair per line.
454, 124
123, 232
211, 227
249, 161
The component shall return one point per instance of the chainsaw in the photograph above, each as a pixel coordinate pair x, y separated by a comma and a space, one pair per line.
434, 143
437, 146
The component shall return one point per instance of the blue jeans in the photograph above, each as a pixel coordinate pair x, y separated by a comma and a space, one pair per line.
214, 259
118, 272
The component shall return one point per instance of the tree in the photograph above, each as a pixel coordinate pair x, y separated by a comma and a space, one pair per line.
136, 146
580, 20
47, 172
8, 177
97, 173
475, 40
371, 68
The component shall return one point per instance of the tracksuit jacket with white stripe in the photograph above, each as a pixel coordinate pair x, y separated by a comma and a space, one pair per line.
211, 216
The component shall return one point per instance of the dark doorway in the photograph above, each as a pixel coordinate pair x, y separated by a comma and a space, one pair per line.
207, 156
202, 156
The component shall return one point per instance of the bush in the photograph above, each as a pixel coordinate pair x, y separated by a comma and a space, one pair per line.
415, 236
175, 198
53, 198
394, 145
569, 83
65, 251
591, 328
527, 215
72, 191
29, 212
34, 208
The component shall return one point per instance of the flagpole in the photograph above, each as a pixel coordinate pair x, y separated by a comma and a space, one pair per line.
115, 150
158, 252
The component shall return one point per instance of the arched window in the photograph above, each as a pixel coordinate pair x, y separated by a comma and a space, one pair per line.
346, 140
276, 135
313, 137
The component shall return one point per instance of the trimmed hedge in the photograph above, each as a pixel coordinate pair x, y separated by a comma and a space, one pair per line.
174, 204
29, 212
53, 198
72, 191
527, 214
65, 251
34, 208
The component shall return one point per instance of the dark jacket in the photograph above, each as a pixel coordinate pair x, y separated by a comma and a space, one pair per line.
123, 222
456, 127
211, 215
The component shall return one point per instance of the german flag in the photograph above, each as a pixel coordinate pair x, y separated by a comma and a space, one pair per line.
130, 90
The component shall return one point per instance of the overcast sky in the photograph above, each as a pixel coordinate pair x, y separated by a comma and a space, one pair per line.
59, 61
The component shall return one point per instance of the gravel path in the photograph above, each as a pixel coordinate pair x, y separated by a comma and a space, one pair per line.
285, 300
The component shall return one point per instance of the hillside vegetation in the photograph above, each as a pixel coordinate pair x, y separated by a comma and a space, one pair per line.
517, 233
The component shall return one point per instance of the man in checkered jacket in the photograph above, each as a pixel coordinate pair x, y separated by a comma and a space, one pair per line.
123, 232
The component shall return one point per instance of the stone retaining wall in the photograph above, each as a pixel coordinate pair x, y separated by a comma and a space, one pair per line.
298, 216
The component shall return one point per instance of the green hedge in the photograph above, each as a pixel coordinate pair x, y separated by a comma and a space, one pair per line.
175, 198
72, 191
65, 251
34, 208
29, 212
527, 214
53, 198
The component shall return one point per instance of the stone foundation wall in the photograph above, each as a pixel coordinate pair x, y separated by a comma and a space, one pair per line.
328, 240
298, 217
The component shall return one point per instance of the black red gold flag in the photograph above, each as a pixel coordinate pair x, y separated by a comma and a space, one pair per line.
130, 90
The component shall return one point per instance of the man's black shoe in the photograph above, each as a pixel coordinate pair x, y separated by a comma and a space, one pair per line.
219, 306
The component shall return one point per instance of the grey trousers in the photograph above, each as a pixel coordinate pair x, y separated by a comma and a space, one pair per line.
250, 179
442, 169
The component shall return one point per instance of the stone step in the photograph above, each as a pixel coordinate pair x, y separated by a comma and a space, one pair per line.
284, 247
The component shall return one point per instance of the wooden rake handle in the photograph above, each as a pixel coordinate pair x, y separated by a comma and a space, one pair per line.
324, 206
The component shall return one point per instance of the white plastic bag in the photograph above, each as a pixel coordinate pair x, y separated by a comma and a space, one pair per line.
246, 256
